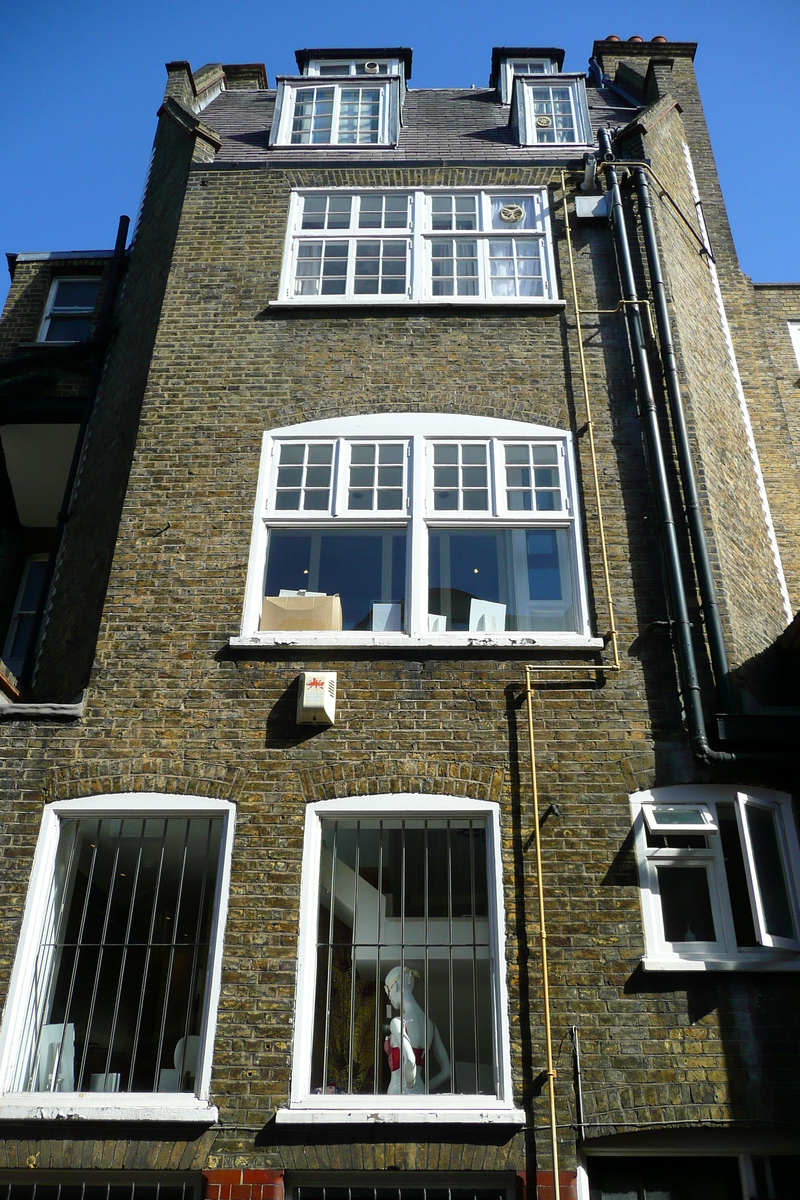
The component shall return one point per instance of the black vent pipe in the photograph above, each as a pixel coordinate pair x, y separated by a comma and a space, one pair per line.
694, 517
681, 628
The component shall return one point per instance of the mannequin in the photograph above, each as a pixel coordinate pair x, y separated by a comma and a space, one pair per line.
411, 1036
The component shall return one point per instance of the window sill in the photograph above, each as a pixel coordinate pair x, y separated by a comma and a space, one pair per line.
11, 710
502, 1115
402, 302
771, 960
338, 640
103, 1106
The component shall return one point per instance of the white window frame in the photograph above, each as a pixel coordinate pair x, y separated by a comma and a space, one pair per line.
508, 74
54, 310
418, 236
347, 66
419, 431
305, 1107
388, 86
122, 1106
773, 953
524, 118
794, 334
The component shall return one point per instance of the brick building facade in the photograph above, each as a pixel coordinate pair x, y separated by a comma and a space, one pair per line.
403, 363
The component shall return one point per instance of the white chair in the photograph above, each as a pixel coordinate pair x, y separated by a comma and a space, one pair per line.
487, 616
49, 1048
169, 1080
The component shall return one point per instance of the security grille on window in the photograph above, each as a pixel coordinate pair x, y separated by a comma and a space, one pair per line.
416, 1190
69, 1185
424, 247
113, 976
415, 533
402, 980
69, 310
719, 871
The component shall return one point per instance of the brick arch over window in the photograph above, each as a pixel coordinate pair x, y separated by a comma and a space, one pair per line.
403, 774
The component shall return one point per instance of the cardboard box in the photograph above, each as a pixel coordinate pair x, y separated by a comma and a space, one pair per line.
301, 612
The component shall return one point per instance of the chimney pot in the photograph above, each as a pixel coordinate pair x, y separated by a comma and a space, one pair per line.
660, 38
612, 37
635, 38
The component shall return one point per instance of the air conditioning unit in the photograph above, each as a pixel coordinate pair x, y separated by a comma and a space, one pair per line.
316, 698
372, 68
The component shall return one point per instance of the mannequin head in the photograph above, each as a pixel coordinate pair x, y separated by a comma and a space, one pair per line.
394, 988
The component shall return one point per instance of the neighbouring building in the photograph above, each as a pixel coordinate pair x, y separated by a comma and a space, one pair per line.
398, 561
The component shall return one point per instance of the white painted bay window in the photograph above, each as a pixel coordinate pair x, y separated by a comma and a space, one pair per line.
423, 247
401, 1002
719, 870
381, 529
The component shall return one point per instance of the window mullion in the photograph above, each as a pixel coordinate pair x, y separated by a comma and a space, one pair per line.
337, 96
418, 542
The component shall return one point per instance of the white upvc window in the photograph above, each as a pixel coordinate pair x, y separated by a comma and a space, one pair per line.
69, 310
719, 869
443, 246
362, 113
552, 111
440, 529
401, 980
113, 997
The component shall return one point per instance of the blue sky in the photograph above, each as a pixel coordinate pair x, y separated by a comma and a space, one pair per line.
84, 80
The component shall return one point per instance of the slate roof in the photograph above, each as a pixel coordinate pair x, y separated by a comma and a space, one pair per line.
439, 125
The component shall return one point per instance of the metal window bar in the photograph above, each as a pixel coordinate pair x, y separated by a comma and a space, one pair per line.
170, 968
148, 955
81, 1190
195, 958
436, 1191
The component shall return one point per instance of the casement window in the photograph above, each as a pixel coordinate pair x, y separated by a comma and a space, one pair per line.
364, 112
396, 527
719, 870
424, 247
401, 1000
69, 311
551, 112
117, 974
23, 618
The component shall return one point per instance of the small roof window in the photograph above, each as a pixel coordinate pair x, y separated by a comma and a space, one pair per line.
508, 61
369, 61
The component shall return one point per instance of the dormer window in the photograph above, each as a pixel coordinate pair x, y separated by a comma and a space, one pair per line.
69, 310
509, 63
351, 66
551, 111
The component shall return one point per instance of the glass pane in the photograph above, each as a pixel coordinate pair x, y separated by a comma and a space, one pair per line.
362, 568
403, 920
523, 574
686, 904
735, 875
68, 329
778, 917
76, 293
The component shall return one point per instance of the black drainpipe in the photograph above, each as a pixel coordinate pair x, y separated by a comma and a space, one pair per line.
101, 337
697, 533
682, 633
